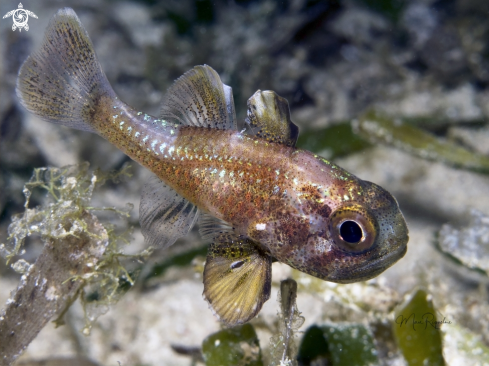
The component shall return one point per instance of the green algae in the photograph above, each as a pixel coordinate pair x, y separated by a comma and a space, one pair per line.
313, 347
338, 344
234, 346
417, 331
332, 142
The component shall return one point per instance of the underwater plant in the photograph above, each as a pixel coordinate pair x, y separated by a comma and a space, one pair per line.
82, 257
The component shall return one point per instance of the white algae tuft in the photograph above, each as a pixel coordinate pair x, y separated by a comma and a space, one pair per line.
80, 254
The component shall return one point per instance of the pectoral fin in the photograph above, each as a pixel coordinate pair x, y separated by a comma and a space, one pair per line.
237, 279
269, 118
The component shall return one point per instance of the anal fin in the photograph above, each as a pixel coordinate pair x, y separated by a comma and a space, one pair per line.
165, 216
237, 279
269, 118
211, 227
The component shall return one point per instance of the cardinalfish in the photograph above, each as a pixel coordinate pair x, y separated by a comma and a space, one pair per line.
256, 197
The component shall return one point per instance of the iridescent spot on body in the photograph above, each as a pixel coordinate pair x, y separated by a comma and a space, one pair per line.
153, 144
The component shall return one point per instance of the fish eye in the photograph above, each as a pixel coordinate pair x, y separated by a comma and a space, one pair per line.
353, 228
351, 232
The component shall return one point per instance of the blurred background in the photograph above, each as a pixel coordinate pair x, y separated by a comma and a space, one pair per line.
396, 92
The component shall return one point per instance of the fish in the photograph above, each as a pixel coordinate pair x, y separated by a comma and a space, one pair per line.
256, 197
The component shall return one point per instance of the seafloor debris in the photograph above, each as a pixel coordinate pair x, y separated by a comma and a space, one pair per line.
80, 257
469, 245
283, 348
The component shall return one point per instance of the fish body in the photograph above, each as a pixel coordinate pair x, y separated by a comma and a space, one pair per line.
256, 196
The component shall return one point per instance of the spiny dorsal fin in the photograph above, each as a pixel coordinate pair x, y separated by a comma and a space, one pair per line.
269, 118
165, 216
237, 279
199, 98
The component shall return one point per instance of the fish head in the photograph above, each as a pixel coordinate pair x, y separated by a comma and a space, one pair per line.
362, 238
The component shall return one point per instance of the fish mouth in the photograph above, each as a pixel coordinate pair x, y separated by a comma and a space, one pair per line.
369, 268
390, 245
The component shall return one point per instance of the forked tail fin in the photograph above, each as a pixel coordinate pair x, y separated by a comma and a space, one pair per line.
62, 81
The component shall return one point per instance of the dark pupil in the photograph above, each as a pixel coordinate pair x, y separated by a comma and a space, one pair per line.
350, 232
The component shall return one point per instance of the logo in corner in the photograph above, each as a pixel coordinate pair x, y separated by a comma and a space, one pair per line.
20, 17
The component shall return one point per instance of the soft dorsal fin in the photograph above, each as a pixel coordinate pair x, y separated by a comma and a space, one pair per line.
269, 118
199, 98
